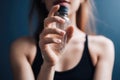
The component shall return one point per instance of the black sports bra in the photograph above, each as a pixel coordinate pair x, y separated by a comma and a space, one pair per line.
83, 71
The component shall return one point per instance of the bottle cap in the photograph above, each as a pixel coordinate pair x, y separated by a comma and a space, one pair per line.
63, 9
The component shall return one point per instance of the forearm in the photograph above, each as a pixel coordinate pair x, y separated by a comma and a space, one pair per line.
46, 72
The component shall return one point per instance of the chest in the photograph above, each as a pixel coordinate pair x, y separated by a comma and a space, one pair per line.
74, 65
71, 57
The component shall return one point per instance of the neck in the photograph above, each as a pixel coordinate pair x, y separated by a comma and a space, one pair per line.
73, 20
77, 31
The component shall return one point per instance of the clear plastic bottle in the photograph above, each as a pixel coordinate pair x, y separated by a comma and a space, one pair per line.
63, 13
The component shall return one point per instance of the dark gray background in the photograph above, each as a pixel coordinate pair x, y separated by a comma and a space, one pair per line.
14, 24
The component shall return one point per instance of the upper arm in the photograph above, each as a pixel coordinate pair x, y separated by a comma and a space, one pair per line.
105, 62
20, 65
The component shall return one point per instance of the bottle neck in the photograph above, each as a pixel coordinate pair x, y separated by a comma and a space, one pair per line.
62, 14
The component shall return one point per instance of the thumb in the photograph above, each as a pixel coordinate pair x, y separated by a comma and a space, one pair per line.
69, 33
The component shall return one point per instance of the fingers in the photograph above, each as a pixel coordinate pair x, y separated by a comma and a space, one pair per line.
55, 39
51, 35
50, 30
48, 40
57, 31
52, 19
53, 10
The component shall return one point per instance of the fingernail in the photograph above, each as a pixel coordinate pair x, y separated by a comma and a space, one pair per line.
63, 21
63, 33
58, 41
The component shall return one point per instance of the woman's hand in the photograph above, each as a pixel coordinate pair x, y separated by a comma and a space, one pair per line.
51, 36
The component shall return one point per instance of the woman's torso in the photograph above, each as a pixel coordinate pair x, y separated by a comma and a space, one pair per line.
77, 64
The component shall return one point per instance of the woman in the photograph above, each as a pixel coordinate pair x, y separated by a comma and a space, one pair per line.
86, 57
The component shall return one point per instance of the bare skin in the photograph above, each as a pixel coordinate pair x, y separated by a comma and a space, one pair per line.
23, 51
22, 59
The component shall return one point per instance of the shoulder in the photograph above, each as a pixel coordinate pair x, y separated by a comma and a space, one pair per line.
24, 41
102, 46
23, 47
101, 42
